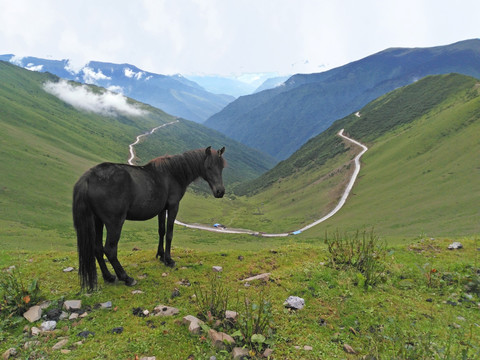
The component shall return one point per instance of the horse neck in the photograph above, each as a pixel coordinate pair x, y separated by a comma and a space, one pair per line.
185, 168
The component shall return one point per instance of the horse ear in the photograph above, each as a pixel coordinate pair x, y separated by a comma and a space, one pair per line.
208, 151
221, 151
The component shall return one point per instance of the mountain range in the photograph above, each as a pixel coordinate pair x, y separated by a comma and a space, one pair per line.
279, 120
173, 94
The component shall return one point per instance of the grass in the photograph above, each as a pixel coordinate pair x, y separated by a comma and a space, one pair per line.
406, 316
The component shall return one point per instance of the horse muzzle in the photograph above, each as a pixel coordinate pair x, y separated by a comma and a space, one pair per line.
218, 193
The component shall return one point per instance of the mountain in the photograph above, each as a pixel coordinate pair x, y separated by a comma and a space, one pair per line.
47, 143
238, 85
175, 94
419, 175
278, 121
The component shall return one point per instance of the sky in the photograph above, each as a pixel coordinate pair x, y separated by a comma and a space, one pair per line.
229, 37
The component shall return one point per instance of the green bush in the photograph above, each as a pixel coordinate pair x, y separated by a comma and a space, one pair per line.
16, 297
363, 251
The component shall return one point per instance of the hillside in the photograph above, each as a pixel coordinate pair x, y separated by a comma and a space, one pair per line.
278, 121
416, 177
175, 94
46, 144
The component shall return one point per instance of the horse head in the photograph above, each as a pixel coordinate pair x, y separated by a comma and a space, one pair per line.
214, 164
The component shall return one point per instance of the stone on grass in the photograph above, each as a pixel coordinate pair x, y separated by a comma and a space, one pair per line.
135, 292
239, 353
348, 349
60, 344
73, 316
455, 245
68, 269
294, 302
30, 344
106, 305
9, 353
148, 358
217, 268
194, 324
220, 340
72, 304
307, 348
264, 277
35, 331
33, 314
267, 353
231, 315
162, 310
48, 325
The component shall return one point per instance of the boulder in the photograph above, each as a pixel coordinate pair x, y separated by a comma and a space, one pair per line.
455, 245
33, 314
48, 325
162, 310
72, 305
239, 353
194, 324
294, 302
220, 340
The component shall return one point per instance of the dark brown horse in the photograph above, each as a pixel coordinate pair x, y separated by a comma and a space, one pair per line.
108, 194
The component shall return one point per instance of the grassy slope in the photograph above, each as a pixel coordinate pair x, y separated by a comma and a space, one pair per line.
46, 145
415, 179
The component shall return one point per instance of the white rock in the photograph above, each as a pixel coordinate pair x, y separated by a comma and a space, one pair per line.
294, 302
73, 316
48, 325
72, 304
60, 344
219, 339
35, 331
194, 324
239, 353
68, 269
455, 245
33, 314
162, 310
264, 277
217, 268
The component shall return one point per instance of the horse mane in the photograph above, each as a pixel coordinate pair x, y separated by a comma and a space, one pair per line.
184, 167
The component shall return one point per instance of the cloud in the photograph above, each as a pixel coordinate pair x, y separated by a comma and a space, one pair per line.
130, 73
81, 98
33, 67
91, 77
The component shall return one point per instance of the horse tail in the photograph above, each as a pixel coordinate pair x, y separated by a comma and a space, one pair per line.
84, 222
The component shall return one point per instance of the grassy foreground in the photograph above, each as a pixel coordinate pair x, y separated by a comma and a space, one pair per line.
426, 305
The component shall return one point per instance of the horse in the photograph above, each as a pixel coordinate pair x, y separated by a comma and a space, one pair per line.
110, 193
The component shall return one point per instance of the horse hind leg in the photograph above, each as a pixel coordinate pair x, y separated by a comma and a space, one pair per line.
161, 235
111, 246
107, 276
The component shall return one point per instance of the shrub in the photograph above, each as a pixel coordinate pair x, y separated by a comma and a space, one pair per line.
363, 251
16, 297
212, 301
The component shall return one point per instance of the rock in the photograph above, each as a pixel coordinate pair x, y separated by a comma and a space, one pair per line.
175, 293
9, 353
217, 268
54, 314
63, 316
45, 304
33, 314
106, 305
162, 310
65, 351
117, 330
35, 331
30, 344
148, 358
83, 315
348, 349
72, 305
231, 315
267, 353
146, 312
239, 353
68, 269
264, 277
85, 334
194, 324
60, 344
307, 348
134, 292
48, 325
164, 274
220, 340
73, 316
455, 245
294, 302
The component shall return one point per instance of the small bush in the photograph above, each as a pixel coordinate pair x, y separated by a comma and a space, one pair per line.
363, 251
16, 297
212, 300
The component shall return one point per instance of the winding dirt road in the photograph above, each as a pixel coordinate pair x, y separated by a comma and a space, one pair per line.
340, 204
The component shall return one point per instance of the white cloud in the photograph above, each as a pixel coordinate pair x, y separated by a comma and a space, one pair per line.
116, 89
81, 98
33, 67
17, 60
130, 73
91, 77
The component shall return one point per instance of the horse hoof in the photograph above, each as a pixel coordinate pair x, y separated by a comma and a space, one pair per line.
130, 282
110, 279
170, 263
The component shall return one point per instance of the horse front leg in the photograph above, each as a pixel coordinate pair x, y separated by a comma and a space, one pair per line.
172, 214
161, 235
